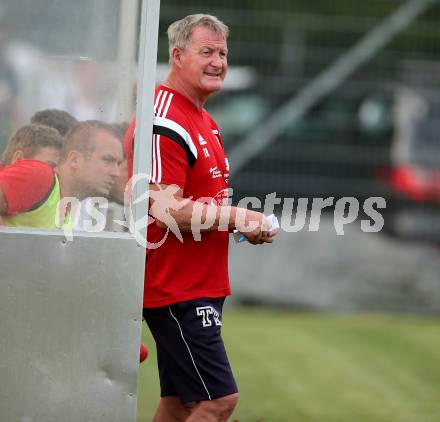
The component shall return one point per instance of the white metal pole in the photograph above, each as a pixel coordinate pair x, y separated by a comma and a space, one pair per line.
144, 111
126, 61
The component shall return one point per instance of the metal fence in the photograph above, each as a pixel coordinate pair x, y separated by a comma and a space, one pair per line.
314, 99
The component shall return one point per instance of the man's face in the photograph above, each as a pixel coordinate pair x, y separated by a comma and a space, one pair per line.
50, 155
100, 169
204, 61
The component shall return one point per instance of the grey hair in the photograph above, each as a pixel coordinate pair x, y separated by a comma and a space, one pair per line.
180, 32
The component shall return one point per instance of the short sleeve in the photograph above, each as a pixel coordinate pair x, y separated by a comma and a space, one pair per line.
169, 162
25, 184
169, 159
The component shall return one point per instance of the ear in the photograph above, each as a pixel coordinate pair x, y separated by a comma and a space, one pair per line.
74, 158
17, 156
176, 55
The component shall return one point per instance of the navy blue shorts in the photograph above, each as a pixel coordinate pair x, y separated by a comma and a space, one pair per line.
191, 356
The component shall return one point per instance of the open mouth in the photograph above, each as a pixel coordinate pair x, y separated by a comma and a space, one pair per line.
213, 75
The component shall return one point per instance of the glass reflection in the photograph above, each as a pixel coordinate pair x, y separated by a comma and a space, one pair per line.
65, 78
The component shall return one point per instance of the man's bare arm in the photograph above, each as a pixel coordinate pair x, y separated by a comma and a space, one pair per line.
192, 215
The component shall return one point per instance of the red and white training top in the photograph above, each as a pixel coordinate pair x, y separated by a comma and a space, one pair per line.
187, 152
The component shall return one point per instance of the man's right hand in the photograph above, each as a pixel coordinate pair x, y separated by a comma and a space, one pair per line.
254, 226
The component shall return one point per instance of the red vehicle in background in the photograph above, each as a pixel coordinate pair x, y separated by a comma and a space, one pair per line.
414, 176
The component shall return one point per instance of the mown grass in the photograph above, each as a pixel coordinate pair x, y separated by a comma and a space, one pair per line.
324, 368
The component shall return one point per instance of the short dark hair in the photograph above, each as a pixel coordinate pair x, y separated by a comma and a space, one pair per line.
79, 137
60, 120
30, 139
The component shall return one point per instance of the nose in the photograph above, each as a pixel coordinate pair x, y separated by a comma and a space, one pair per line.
217, 61
115, 171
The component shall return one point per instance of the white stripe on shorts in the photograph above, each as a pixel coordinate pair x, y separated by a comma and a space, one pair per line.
190, 354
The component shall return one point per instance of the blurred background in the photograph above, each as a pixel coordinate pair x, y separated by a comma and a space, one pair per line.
333, 99
308, 111
323, 99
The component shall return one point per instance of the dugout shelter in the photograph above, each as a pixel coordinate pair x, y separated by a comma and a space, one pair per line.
70, 302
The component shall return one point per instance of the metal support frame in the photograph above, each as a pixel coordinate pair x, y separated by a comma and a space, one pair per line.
71, 325
128, 16
144, 112
326, 82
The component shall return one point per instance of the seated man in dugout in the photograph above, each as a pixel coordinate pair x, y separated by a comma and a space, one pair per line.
60, 120
89, 166
92, 209
27, 175
33, 142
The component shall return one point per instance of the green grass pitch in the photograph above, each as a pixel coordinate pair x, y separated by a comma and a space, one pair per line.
325, 368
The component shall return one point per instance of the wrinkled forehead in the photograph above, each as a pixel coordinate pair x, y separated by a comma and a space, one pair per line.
203, 35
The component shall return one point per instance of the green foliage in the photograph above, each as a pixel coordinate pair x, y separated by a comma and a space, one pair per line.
315, 368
